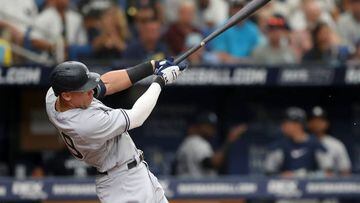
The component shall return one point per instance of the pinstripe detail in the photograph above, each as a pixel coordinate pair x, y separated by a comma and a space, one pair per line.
127, 120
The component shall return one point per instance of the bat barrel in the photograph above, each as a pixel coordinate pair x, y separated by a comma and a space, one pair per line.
245, 12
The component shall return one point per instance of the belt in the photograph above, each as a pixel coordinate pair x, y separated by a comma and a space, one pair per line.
130, 165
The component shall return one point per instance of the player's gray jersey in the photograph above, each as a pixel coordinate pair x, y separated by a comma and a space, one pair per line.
97, 135
340, 160
190, 155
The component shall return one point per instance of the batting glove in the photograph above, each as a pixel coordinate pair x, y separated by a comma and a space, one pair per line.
169, 73
164, 62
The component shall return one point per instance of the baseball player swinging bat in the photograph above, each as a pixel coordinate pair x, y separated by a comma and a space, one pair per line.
244, 13
98, 135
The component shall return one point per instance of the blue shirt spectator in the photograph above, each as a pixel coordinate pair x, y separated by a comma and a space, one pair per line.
148, 46
239, 41
137, 51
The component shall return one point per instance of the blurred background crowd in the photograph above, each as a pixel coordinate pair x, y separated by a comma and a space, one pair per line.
194, 132
284, 32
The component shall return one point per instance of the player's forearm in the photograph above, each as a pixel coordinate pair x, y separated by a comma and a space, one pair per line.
116, 81
144, 106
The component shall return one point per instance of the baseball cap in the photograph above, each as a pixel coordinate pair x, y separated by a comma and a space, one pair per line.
73, 76
318, 112
295, 114
277, 22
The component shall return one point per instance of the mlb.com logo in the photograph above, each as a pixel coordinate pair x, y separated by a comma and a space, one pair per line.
284, 188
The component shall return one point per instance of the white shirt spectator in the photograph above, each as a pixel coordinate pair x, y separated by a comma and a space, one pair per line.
340, 160
349, 29
190, 155
51, 27
288, 7
217, 12
298, 20
266, 54
18, 13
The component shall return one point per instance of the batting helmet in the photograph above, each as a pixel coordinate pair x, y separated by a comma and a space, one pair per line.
72, 76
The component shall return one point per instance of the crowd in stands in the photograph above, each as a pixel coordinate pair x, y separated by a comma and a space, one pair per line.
283, 32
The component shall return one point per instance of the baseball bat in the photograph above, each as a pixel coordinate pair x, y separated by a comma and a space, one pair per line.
245, 12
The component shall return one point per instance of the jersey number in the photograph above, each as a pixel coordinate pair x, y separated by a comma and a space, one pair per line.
70, 144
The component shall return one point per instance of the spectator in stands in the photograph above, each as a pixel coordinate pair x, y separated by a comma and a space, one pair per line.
239, 41
349, 24
5, 53
318, 125
17, 16
303, 21
210, 14
297, 153
202, 56
148, 46
92, 12
195, 156
135, 8
114, 34
177, 32
277, 49
143, 14
15, 19
310, 14
56, 23
325, 49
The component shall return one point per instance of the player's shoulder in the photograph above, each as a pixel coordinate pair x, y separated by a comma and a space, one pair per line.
96, 114
50, 96
96, 110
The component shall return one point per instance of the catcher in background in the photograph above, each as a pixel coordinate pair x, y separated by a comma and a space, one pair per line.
98, 134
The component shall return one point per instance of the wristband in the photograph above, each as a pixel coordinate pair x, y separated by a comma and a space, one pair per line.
158, 79
140, 71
